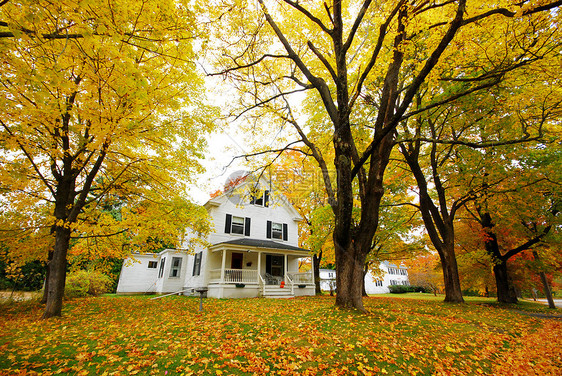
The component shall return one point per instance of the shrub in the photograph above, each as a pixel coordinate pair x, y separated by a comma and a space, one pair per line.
84, 282
401, 289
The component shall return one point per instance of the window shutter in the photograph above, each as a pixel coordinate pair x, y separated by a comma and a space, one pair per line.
285, 231
228, 223
266, 198
247, 227
268, 232
199, 263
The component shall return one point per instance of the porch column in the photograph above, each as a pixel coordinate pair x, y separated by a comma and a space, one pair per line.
285, 267
259, 267
223, 265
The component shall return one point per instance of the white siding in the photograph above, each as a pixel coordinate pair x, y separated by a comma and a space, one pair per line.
136, 277
259, 216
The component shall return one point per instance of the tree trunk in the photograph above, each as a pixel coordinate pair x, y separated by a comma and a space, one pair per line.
47, 274
505, 289
453, 292
349, 276
546, 287
316, 270
547, 291
57, 274
365, 271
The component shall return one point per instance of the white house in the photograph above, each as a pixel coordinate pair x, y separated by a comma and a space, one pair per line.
392, 274
253, 251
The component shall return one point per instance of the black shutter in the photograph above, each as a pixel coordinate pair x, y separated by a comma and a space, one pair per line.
266, 198
268, 232
285, 231
247, 227
228, 224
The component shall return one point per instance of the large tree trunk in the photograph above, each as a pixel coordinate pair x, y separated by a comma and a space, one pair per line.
349, 277
316, 271
453, 292
506, 291
57, 273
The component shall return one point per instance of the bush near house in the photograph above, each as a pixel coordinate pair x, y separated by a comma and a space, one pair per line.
401, 289
86, 282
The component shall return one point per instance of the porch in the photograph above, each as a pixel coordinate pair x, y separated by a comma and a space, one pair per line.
237, 270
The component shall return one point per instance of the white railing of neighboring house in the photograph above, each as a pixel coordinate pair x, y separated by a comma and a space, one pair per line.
301, 278
234, 276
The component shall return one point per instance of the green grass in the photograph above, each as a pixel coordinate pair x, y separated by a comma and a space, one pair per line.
403, 334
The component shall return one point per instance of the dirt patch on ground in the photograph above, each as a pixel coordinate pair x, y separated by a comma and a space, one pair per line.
19, 295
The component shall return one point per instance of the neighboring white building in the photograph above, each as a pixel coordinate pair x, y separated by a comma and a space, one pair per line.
392, 274
327, 280
253, 251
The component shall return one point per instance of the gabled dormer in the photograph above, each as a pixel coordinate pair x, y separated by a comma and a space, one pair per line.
253, 208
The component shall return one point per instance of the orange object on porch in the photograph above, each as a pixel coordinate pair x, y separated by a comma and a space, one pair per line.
282, 284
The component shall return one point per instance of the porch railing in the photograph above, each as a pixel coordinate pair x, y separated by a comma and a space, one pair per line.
234, 276
291, 283
301, 278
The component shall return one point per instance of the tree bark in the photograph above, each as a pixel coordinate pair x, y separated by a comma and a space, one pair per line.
365, 271
316, 270
57, 274
547, 291
47, 274
349, 276
546, 287
453, 292
506, 291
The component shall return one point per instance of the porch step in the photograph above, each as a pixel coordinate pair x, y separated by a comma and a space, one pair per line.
277, 292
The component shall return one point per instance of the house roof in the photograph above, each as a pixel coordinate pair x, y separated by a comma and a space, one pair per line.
257, 243
247, 180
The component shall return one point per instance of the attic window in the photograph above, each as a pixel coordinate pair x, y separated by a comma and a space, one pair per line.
259, 197
152, 264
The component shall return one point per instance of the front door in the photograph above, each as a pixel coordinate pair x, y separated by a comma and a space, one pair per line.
275, 265
237, 259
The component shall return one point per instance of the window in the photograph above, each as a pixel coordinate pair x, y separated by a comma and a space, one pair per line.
277, 230
378, 283
259, 197
161, 271
175, 269
152, 264
237, 225
197, 263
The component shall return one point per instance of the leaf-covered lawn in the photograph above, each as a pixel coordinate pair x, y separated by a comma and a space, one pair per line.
305, 336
